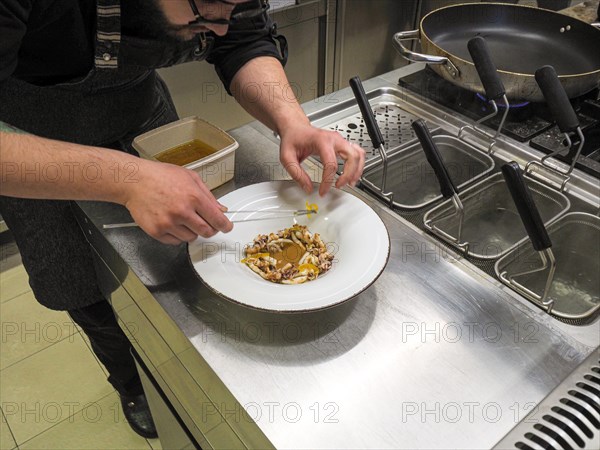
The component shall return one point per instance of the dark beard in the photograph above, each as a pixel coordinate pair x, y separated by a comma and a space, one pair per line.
145, 19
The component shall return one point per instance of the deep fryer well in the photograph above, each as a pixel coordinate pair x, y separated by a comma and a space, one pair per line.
394, 121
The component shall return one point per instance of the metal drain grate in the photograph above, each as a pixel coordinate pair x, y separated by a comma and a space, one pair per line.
394, 122
568, 418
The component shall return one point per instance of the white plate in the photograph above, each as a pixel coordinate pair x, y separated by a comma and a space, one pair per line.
349, 227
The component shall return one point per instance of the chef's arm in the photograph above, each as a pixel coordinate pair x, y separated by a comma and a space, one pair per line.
170, 203
34, 167
263, 89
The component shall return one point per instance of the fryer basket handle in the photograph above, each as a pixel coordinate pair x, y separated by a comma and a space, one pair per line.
367, 112
488, 73
434, 158
526, 206
557, 99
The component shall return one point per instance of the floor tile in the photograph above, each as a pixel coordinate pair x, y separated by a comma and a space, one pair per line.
7, 442
9, 252
49, 386
154, 444
100, 425
13, 282
28, 327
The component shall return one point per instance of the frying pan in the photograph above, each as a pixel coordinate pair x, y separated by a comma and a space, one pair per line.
520, 38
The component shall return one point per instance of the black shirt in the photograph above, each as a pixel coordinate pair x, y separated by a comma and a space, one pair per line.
45, 42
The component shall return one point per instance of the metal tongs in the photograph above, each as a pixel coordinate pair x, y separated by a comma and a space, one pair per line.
274, 214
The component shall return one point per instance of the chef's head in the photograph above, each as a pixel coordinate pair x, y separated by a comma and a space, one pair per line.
190, 17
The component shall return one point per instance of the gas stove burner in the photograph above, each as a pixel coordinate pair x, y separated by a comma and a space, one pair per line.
519, 113
501, 105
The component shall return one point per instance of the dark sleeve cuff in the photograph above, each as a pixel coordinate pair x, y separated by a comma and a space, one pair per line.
244, 41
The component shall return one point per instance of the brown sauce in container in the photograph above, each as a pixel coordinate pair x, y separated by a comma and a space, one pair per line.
291, 253
186, 153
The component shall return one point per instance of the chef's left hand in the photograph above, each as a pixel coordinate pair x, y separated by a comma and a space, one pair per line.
301, 141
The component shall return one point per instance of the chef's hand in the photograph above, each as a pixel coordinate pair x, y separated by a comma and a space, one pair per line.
173, 205
302, 141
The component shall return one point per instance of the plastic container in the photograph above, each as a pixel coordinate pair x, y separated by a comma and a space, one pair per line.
214, 169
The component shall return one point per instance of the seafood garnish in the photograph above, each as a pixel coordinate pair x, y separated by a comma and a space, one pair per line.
290, 256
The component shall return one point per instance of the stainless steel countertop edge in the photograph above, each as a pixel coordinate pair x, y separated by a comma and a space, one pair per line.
267, 365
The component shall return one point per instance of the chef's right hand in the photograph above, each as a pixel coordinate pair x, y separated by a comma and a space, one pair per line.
173, 205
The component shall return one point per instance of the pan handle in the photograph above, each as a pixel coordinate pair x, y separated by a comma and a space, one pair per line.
414, 56
557, 99
434, 158
488, 73
367, 112
526, 206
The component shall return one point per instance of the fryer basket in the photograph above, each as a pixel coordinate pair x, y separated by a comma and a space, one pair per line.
411, 179
491, 225
575, 288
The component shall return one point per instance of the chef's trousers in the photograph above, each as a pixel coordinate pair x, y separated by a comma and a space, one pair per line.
60, 264
110, 345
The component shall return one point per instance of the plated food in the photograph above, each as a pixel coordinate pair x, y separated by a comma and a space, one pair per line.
290, 256
351, 230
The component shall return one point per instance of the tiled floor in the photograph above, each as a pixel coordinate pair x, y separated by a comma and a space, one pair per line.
53, 390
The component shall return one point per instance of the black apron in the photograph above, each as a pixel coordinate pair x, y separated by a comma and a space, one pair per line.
121, 97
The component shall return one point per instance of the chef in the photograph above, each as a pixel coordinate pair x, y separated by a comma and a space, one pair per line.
78, 77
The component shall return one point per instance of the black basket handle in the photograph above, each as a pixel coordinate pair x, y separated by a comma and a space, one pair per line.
434, 158
557, 99
367, 112
527, 208
488, 74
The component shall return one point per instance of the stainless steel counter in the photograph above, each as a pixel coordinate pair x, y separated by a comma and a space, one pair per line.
435, 354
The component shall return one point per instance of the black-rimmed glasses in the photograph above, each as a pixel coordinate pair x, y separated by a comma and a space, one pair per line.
251, 8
